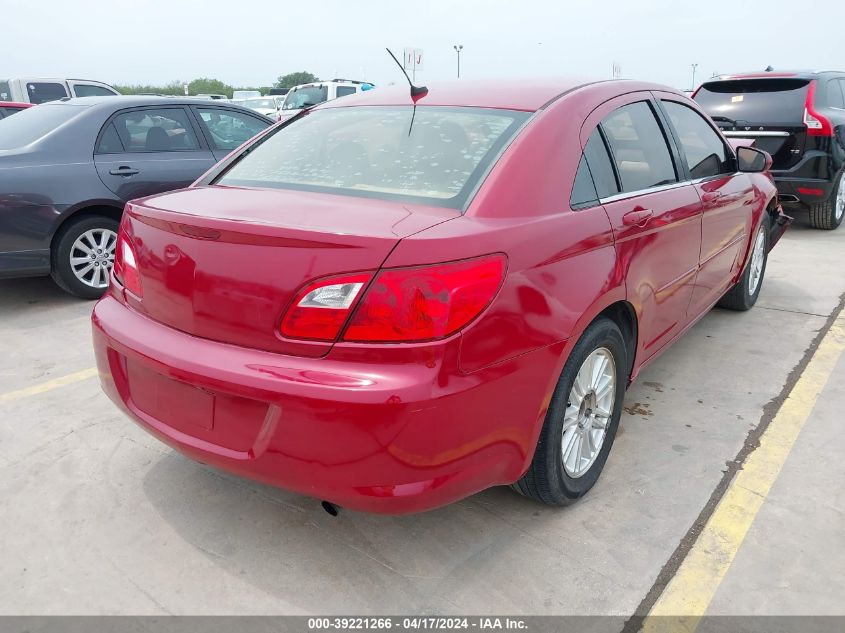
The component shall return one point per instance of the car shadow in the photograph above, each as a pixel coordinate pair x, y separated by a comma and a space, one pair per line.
33, 294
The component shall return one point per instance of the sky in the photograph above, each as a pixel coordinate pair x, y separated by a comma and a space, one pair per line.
252, 43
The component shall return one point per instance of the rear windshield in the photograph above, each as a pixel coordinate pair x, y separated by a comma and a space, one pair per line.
306, 97
767, 101
435, 155
34, 123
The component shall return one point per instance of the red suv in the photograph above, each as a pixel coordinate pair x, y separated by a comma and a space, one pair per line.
392, 302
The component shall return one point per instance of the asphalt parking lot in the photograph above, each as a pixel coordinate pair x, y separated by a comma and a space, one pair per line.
100, 518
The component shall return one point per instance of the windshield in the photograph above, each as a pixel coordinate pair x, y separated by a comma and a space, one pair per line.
306, 97
34, 123
435, 156
260, 103
769, 101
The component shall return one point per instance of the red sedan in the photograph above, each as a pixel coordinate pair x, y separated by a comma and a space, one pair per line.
391, 303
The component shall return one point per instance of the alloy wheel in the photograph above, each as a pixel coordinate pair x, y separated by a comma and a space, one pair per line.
92, 257
758, 258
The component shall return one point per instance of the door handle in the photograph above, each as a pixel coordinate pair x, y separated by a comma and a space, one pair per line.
124, 171
711, 196
637, 217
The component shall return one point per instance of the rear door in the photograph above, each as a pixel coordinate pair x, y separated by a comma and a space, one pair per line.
656, 217
769, 110
726, 196
226, 129
144, 151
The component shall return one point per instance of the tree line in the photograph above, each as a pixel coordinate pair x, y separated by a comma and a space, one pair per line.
206, 85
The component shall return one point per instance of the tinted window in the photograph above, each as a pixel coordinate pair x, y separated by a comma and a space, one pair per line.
5, 91
600, 166
110, 141
342, 91
755, 100
583, 190
705, 152
306, 97
89, 90
32, 124
160, 130
43, 92
229, 129
436, 156
834, 97
639, 148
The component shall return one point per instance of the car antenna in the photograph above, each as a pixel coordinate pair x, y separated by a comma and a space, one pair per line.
416, 91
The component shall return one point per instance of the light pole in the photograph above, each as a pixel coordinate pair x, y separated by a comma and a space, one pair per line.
458, 48
694, 66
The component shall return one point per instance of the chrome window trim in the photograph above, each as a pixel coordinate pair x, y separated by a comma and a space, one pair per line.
641, 192
739, 134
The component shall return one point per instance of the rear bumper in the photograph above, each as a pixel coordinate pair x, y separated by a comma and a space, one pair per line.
390, 438
808, 182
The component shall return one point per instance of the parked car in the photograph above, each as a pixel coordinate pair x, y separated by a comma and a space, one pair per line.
213, 97
391, 308
307, 95
8, 108
67, 168
41, 90
243, 95
263, 105
799, 118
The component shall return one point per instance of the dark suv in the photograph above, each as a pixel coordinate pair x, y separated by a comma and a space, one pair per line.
799, 118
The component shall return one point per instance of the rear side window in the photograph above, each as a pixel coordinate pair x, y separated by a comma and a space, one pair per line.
766, 101
342, 91
229, 129
583, 189
5, 91
41, 92
156, 130
601, 168
834, 97
109, 141
639, 147
32, 124
90, 90
705, 152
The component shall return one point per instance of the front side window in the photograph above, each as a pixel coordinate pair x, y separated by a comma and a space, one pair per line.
306, 97
639, 147
229, 129
90, 90
434, 155
158, 130
705, 152
41, 92
835, 97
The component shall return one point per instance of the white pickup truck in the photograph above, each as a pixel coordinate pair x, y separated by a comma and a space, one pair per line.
39, 90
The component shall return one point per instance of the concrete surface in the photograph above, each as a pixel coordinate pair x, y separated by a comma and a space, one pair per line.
98, 517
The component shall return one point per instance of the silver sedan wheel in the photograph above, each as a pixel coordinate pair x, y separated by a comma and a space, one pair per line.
840, 199
758, 258
92, 256
588, 412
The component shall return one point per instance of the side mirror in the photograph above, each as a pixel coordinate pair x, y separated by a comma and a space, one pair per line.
753, 160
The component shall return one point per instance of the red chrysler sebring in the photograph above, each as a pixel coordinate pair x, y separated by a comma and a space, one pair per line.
392, 302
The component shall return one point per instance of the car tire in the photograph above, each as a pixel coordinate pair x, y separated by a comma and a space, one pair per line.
744, 294
73, 242
554, 477
828, 215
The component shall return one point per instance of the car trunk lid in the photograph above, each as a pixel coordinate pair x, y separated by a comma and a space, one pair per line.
768, 110
223, 263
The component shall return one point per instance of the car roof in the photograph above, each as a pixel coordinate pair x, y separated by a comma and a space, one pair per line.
773, 74
116, 102
518, 94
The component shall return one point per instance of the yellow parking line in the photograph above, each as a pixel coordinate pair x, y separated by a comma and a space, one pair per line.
688, 595
49, 385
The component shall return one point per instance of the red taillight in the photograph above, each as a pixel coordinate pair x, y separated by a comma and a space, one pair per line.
401, 304
126, 265
425, 303
817, 125
321, 308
